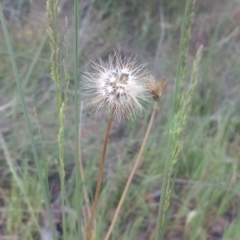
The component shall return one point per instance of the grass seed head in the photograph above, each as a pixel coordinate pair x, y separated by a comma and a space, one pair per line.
118, 83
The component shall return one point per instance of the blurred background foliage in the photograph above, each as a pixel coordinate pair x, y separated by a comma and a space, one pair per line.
206, 196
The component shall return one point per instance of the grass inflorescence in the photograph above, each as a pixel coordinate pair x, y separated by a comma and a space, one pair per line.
181, 108
56, 64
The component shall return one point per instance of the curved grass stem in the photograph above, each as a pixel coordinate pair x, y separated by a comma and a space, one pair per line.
136, 164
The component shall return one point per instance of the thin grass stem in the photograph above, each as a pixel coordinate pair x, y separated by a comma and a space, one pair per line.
136, 164
34, 61
76, 100
81, 166
100, 175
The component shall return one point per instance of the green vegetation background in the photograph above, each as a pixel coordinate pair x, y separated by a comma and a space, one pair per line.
205, 202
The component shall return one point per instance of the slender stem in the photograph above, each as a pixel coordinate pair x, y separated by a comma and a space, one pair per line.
84, 188
76, 100
100, 175
81, 164
136, 164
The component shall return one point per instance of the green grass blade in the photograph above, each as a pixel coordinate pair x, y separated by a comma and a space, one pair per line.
27, 120
76, 83
34, 61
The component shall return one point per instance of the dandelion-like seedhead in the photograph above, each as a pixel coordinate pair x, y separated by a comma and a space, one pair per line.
119, 85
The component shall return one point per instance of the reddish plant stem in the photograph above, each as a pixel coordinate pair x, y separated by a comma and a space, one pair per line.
100, 176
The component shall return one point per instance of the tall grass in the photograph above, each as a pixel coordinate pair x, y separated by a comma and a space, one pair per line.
180, 110
28, 124
56, 65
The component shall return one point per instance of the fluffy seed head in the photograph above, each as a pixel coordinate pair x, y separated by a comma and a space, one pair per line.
119, 84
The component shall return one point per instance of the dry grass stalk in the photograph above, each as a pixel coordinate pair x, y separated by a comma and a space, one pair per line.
156, 89
100, 175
